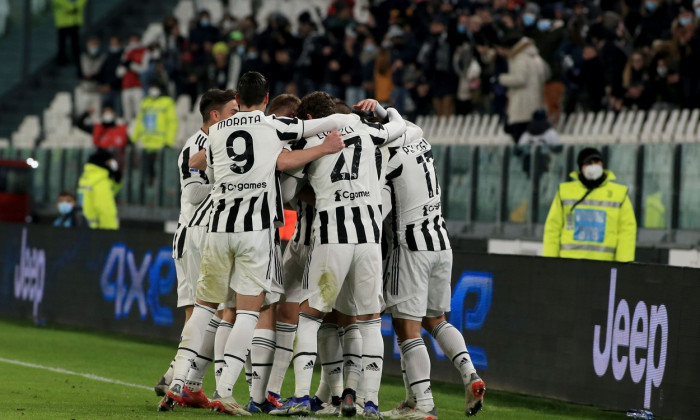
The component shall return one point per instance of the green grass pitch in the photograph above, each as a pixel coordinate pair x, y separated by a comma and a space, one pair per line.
32, 392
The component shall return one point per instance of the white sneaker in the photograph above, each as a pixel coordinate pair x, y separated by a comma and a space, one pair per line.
399, 412
474, 395
328, 410
417, 414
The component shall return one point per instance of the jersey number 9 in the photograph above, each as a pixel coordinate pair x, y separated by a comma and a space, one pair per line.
239, 147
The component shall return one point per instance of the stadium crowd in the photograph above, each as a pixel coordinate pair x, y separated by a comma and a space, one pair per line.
435, 56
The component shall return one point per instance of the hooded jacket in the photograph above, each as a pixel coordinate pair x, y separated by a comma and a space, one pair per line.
525, 80
96, 192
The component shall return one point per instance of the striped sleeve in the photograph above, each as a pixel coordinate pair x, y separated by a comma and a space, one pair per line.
288, 129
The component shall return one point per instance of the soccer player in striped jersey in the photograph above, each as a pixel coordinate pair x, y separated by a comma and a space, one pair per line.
215, 106
344, 270
244, 152
418, 273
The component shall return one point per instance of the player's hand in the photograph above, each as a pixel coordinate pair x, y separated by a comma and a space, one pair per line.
366, 105
333, 143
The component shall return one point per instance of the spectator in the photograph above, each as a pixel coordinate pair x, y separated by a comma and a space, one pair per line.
591, 217
172, 46
655, 23
687, 42
134, 62
97, 187
525, 80
435, 58
156, 125
70, 215
237, 45
219, 73
310, 62
665, 78
202, 38
539, 133
109, 133
110, 86
91, 62
468, 71
637, 83
68, 17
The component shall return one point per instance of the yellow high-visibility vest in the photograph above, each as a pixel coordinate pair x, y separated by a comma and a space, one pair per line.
595, 225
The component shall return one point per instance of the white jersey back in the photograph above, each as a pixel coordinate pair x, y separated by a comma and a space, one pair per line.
346, 184
197, 142
243, 151
415, 194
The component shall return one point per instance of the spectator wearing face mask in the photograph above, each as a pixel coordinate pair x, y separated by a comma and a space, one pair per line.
591, 217
110, 86
91, 62
687, 43
97, 187
70, 215
134, 62
202, 38
109, 133
156, 125
655, 23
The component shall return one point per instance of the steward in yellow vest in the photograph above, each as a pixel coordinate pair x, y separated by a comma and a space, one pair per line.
97, 187
591, 217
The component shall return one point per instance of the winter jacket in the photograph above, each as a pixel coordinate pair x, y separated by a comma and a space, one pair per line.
527, 73
67, 13
96, 192
156, 123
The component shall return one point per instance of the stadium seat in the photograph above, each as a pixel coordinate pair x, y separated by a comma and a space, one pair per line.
566, 133
184, 13
650, 118
27, 133
4, 143
215, 8
678, 128
633, 127
690, 133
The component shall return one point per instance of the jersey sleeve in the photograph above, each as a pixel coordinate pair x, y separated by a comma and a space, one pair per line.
288, 129
377, 132
300, 173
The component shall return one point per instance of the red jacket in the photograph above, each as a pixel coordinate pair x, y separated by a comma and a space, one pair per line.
131, 78
110, 137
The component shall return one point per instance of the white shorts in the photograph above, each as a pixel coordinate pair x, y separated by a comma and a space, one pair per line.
293, 267
276, 291
185, 287
344, 276
236, 263
187, 267
418, 283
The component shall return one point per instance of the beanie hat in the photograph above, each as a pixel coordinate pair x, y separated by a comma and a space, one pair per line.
588, 154
100, 158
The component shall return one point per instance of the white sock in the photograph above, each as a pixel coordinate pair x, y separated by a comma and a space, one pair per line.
410, 398
330, 351
200, 365
284, 350
190, 343
168, 375
262, 354
222, 334
417, 362
352, 356
236, 349
372, 358
305, 353
452, 343
249, 372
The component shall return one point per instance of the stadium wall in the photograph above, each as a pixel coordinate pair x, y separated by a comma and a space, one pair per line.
618, 336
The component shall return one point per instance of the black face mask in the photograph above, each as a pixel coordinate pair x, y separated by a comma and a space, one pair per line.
592, 184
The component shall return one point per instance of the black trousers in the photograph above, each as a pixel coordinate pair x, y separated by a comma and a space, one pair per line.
72, 34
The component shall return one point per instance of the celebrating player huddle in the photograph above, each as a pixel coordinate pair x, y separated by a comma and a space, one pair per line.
344, 176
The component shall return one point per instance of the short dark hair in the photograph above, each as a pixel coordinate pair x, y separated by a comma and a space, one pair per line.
214, 100
341, 107
317, 104
66, 193
252, 88
285, 103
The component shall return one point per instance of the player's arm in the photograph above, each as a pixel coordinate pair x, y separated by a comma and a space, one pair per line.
290, 186
195, 192
394, 128
199, 160
289, 160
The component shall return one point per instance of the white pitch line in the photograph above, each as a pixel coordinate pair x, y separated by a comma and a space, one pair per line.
70, 372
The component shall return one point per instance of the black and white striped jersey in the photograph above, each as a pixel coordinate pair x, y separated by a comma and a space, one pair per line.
197, 142
243, 151
415, 194
348, 195
303, 229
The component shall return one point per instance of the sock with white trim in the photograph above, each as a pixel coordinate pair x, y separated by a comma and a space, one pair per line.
222, 334
305, 353
190, 344
452, 343
284, 350
330, 351
352, 356
200, 365
237, 346
372, 358
417, 362
262, 354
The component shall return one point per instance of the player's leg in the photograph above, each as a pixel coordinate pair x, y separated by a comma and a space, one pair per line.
254, 255
366, 276
450, 339
228, 317
328, 266
416, 360
287, 317
262, 354
330, 350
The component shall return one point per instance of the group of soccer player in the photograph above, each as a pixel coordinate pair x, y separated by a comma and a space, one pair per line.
357, 179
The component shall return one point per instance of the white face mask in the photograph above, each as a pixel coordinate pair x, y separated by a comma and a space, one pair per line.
154, 92
113, 165
593, 172
108, 117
